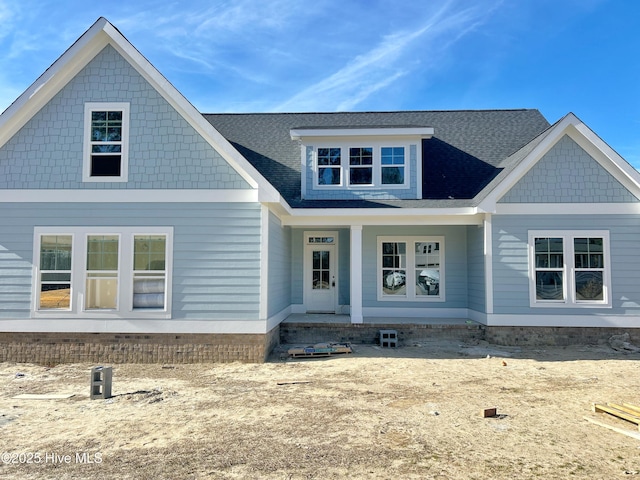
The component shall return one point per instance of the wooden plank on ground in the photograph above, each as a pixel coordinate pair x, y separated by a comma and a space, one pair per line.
625, 409
632, 407
599, 408
624, 431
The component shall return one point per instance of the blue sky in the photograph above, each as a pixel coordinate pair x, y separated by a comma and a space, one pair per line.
559, 56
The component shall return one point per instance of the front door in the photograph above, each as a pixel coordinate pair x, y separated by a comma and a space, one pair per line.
320, 272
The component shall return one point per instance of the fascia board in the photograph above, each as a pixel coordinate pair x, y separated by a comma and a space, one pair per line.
382, 216
421, 132
607, 157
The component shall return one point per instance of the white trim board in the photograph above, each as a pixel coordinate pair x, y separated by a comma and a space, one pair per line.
568, 209
543, 320
128, 196
133, 326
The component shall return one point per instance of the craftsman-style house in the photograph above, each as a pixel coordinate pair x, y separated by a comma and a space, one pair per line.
131, 224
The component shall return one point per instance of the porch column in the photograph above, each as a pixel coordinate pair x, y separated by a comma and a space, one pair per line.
356, 274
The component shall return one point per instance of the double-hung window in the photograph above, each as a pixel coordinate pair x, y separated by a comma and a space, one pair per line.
569, 269
106, 142
411, 268
360, 166
103, 271
392, 165
329, 166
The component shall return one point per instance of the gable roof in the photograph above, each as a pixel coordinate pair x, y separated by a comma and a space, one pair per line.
521, 162
467, 151
98, 36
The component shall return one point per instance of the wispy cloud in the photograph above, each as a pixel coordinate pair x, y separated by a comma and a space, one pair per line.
387, 62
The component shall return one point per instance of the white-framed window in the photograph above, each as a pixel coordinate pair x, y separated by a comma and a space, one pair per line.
329, 166
106, 142
110, 272
350, 166
360, 166
411, 268
392, 165
569, 268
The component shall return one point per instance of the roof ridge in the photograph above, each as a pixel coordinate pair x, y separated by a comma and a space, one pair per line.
379, 112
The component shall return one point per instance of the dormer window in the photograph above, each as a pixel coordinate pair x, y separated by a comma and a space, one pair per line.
329, 166
361, 166
392, 165
361, 162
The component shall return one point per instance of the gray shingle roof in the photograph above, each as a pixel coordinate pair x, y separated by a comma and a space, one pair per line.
468, 150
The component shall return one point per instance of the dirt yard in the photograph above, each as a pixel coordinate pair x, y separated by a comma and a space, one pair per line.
411, 412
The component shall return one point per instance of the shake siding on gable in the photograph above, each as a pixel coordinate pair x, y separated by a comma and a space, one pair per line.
216, 257
510, 266
165, 152
568, 174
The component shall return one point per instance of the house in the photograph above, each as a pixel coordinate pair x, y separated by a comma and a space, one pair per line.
135, 228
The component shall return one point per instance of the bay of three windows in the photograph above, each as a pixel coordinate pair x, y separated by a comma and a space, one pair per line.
361, 166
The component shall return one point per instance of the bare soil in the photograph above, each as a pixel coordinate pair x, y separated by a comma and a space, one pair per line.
410, 412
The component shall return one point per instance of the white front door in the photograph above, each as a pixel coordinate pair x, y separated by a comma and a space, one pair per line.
320, 283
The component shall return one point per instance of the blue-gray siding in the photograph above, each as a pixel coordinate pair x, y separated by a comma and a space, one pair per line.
216, 255
164, 152
511, 269
568, 174
455, 262
475, 255
279, 284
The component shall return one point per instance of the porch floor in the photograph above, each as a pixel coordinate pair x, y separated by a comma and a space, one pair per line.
328, 318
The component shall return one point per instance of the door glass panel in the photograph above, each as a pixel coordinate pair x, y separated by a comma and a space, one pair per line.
320, 270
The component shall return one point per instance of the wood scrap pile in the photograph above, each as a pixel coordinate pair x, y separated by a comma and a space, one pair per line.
320, 350
625, 411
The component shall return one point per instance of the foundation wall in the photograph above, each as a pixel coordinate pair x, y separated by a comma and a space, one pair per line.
100, 348
557, 336
310, 333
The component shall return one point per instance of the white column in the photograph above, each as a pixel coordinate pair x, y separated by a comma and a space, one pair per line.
488, 265
356, 274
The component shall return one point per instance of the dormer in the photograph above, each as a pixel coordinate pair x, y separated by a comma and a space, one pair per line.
348, 163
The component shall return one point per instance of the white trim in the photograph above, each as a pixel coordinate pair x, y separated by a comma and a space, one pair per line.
477, 316
264, 262
132, 325
544, 320
568, 208
275, 320
346, 217
125, 273
420, 312
89, 108
420, 132
569, 270
488, 263
356, 274
128, 196
410, 268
